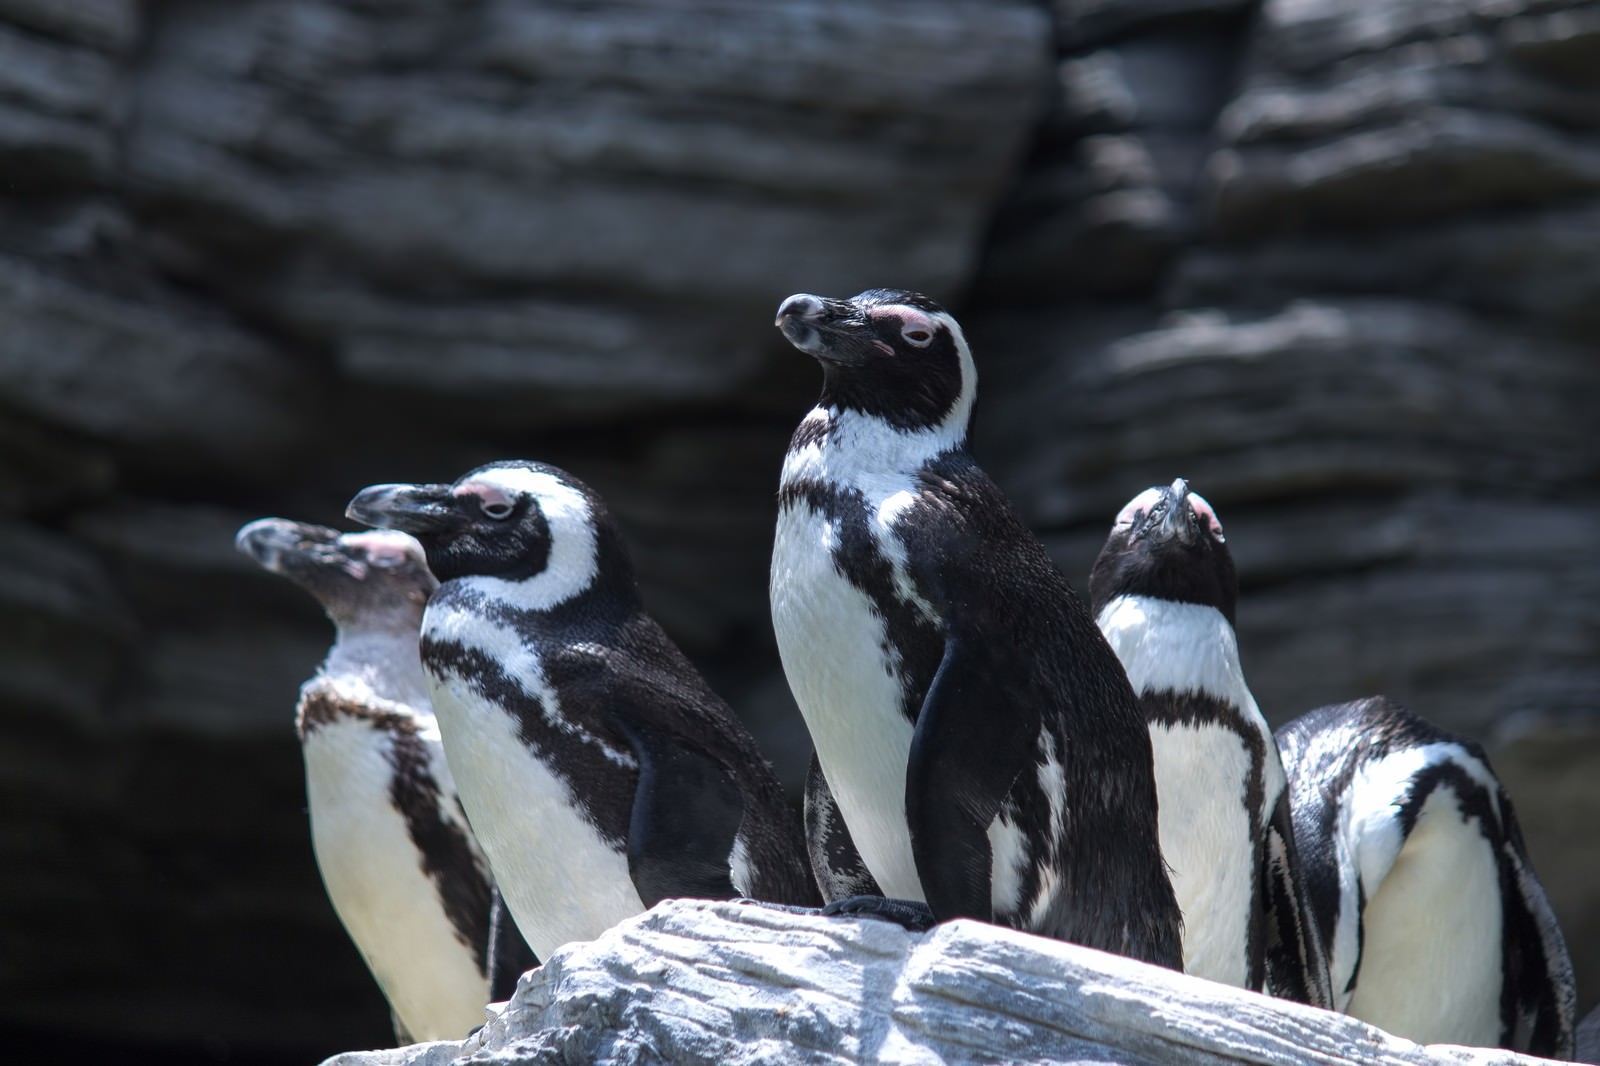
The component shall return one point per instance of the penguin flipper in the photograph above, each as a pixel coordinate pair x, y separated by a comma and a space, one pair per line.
965, 755
509, 955
1296, 958
837, 866
687, 811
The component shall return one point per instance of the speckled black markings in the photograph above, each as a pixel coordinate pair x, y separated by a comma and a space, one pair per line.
603, 786
1011, 672
811, 431
1295, 956
1324, 749
840, 871
911, 641
447, 854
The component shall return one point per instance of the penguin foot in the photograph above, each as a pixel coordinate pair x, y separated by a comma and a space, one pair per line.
910, 915
787, 908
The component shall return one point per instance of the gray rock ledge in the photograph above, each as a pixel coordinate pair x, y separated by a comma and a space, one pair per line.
697, 982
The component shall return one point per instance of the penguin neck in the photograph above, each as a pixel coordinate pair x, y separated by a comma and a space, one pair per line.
841, 444
382, 663
1167, 646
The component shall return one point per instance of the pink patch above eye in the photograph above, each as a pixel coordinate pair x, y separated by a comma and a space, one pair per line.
382, 546
906, 320
1137, 506
1206, 513
485, 495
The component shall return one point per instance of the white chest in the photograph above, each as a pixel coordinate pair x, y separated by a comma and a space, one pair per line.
562, 881
1209, 835
377, 885
1210, 845
1429, 937
1431, 958
833, 645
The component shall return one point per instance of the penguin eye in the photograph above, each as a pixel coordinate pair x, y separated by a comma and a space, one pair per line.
917, 336
499, 510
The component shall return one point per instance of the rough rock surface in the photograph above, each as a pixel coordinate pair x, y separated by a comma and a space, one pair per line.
693, 982
1338, 262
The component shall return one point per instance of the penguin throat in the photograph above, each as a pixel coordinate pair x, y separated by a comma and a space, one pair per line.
841, 445
1167, 646
386, 664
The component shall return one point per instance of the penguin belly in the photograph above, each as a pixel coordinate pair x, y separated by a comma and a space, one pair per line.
562, 880
1209, 842
850, 701
375, 879
1431, 964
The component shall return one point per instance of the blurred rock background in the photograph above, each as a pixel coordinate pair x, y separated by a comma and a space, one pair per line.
1336, 261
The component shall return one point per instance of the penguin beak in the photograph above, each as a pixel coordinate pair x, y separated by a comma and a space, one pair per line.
1174, 522
830, 331
273, 542
415, 509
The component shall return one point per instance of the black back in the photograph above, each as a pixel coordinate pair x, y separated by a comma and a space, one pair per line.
1323, 751
1010, 675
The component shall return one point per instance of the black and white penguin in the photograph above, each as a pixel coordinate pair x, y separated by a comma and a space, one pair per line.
983, 744
1163, 591
1437, 927
600, 771
402, 868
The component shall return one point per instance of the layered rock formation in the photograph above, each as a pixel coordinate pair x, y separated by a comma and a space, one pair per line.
727, 983
1335, 262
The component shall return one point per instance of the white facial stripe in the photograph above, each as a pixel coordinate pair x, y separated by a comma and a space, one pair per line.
573, 561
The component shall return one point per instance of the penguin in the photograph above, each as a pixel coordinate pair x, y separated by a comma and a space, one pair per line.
985, 749
600, 771
1163, 591
401, 867
1437, 928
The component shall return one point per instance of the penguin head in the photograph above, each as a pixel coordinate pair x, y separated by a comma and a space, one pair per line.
1167, 543
888, 353
373, 579
517, 521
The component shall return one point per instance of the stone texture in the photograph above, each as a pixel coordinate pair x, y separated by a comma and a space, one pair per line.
604, 185
693, 982
1335, 261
